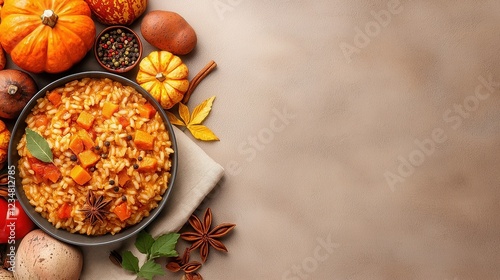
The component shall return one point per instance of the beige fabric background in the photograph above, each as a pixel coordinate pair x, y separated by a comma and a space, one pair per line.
313, 116
321, 177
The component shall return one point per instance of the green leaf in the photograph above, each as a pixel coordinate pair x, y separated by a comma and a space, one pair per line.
38, 146
150, 269
143, 242
164, 246
130, 262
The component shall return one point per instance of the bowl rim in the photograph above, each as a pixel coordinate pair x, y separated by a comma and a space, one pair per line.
121, 70
62, 234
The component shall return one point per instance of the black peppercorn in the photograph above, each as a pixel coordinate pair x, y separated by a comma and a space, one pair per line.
92, 169
116, 189
73, 158
104, 155
114, 46
124, 198
139, 158
136, 166
106, 143
129, 137
111, 182
97, 148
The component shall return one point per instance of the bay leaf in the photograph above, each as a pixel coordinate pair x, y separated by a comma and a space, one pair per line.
38, 146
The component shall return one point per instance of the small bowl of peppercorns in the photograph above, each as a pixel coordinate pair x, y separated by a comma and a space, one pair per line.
118, 49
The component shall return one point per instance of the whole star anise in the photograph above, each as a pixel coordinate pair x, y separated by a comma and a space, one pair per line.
193, 276
183, 263
94, 208
202, 236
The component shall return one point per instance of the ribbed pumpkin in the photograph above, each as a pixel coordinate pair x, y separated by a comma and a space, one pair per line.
164, 76
46, 35
4, 143
117, 12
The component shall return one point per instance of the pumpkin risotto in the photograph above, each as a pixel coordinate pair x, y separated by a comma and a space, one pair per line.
111, 160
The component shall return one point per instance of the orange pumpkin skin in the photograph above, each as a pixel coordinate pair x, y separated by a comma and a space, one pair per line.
38, 47
4, 143
117, 12
164, 76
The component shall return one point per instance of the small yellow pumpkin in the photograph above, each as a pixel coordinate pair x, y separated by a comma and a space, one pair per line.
164, 76
4, 143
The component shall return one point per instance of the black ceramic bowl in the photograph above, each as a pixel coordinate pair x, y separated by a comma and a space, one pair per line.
44, 224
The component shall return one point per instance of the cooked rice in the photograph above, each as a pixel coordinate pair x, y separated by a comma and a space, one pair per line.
145, 189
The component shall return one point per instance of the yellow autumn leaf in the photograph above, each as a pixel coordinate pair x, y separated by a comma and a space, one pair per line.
184, 113
173, 119
193, 122
202, 132
201, 111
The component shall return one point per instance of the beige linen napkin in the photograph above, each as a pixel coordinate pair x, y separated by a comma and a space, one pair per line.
197, 174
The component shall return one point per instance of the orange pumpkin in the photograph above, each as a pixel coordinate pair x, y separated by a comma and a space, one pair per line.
46, 35
4, 143
164, 76
117, 12
3, 59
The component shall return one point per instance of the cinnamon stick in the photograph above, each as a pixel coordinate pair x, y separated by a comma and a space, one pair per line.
197, 79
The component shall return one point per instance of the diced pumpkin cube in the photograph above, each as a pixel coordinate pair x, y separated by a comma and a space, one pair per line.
148, 164
88, 158
122, 211
146, 110
143, 140
54, 98
123, 121
109, 108
92, 133
85, 119
76, 144
123, 178
80, 175
87, 140
41, 120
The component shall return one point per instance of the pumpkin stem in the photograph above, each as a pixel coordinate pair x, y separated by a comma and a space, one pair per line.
49, 18
160, 77
12, 89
